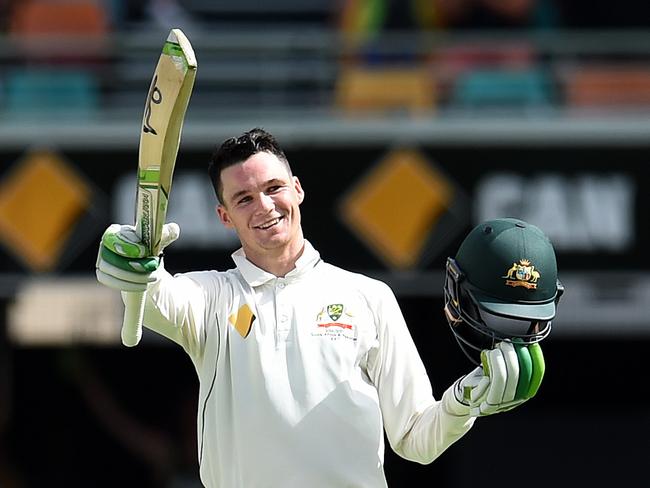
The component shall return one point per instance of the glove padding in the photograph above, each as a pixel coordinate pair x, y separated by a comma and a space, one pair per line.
122, 260
510, 374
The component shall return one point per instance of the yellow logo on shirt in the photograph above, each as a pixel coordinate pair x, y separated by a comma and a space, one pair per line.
242, 320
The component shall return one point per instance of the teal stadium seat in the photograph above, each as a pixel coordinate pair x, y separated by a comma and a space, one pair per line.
502, 88
42, 92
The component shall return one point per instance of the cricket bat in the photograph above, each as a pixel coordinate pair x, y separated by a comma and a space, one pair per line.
162, 122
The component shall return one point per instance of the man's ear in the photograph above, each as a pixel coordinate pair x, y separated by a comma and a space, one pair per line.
224, 217
299, 191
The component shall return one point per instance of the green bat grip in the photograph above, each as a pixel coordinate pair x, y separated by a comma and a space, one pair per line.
525, 371
539, 367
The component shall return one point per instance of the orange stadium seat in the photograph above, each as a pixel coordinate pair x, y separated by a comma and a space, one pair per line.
43, 17
607, 86
59, 30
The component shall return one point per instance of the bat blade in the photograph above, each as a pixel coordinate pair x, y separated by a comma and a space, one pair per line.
162, 122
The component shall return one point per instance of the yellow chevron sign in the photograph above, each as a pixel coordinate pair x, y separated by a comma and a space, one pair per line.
394, 208
41, 200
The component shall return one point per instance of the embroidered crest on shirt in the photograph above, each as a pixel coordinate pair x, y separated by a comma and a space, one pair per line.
333, 321
242, 320
334, 311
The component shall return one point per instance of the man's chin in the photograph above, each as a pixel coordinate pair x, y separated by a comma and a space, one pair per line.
273, 241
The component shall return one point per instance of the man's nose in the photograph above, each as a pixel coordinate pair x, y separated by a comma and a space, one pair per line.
266, 203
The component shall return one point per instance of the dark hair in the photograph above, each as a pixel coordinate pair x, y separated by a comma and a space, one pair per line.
237, 150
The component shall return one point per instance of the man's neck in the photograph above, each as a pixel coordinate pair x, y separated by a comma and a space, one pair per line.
281, 262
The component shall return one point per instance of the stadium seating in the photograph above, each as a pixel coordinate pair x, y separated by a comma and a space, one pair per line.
502, 87
39, 92
60, 31
386, 89
607, 86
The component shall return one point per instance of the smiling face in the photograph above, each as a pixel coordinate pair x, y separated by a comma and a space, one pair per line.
261, 202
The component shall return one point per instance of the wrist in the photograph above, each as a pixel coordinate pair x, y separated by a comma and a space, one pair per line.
452, 401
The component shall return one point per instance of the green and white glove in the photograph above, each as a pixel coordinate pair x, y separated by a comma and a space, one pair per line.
122, 261
510, 374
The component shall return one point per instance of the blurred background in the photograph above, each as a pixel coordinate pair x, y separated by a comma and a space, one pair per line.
408, 122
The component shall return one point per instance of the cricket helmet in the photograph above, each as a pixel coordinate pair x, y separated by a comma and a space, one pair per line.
502, 285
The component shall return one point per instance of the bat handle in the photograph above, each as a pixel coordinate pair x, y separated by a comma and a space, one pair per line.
133, 316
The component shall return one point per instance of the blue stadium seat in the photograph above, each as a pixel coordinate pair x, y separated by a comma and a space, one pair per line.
502, 87
40, 91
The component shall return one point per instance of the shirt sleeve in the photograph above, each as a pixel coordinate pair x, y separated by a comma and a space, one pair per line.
419, 427
176, 307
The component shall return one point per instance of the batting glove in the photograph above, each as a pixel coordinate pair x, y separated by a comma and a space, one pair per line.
510, 374
122, 260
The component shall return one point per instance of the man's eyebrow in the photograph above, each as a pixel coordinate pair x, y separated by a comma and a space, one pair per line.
272, 181
275, 181
240, 193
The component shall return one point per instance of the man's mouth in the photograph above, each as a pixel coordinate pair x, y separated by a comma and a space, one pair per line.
269, 224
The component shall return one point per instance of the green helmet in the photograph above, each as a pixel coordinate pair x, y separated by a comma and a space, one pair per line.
502, 285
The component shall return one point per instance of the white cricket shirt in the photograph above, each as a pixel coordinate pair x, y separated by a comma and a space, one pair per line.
300, 375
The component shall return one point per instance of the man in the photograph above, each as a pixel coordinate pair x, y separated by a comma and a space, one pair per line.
302, 365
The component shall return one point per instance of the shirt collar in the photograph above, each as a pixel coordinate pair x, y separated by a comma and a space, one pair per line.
255, 276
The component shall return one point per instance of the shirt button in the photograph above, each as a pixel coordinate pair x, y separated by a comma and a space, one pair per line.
283, 318
281, 285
